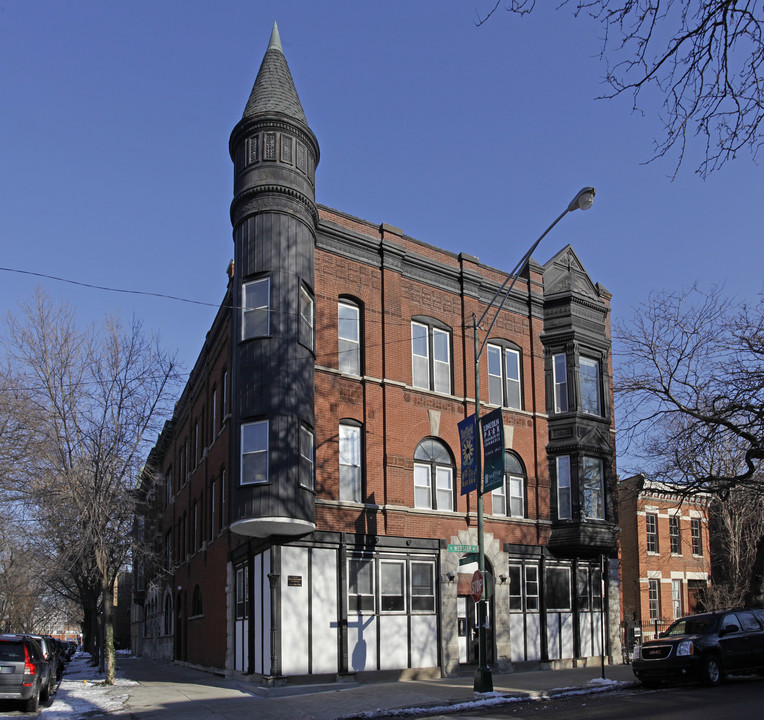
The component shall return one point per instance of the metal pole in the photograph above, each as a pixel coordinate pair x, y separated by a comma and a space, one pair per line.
483, 681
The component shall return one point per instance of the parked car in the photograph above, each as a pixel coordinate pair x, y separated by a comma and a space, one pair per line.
704, 647
52, 664
24, 672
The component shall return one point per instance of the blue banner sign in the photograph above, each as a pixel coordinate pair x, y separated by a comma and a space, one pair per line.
469, 444
493, 450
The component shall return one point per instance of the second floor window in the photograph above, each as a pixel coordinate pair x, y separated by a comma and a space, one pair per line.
504, 376
674, 535
349, 338
254, 452
307, 318
255, 308
594, 496
431, 357
697, 542
350, 462
564, 498
307, 464
433, 476
651, 532
509, 499
654, 599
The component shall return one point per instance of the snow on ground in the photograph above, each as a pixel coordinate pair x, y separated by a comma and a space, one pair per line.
82, 692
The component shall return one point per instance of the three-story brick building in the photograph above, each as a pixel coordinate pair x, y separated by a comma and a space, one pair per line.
305, 494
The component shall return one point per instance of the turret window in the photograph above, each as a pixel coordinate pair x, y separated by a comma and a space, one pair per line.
254, 452
307, 318
307, 465
255, 303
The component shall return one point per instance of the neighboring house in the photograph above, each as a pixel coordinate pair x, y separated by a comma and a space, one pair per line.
664, 546
304, 502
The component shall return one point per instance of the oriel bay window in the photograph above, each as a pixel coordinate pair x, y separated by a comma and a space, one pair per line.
504, 376
564, 497
560, 382
431, 356
589, 371
594, 500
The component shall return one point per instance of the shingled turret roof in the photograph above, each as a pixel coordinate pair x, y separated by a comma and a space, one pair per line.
274, 90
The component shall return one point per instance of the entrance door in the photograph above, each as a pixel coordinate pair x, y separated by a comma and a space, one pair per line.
467, 618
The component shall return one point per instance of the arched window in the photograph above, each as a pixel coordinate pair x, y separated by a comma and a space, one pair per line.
433, 476
509, 499
196, 602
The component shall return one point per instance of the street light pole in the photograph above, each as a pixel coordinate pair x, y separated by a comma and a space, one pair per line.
483, 681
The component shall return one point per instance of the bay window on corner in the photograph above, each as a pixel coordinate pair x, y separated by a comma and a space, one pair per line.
255, 308
589, 488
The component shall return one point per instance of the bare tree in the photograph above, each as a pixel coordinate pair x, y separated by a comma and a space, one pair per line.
690, 390
737, 531
704, 58
92, 399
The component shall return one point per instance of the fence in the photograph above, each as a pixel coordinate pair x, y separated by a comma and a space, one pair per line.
634, 633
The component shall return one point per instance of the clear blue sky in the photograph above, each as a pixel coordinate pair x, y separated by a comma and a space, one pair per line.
114, 165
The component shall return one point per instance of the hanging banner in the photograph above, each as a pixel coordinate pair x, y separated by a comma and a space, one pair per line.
493, 450
468, 441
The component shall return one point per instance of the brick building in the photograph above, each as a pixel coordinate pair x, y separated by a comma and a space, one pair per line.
664, 547
303, 498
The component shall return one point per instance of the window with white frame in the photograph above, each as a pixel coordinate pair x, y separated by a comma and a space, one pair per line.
675, 537
254, 452
360, 585
504, 376
433, 476
564, 497
651, 532
696, 537
392, 586
349, 337
255, 304
590, 386
307, 464
509, 499
560, 380
350, 462
594, 501
307, 318
422, 586
654, 599
430, 357
676, 599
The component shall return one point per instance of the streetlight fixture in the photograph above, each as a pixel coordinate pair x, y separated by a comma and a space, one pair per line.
583, 200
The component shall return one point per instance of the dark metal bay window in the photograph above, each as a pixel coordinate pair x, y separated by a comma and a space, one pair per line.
560, 381
590, 386
594, 495
564, 497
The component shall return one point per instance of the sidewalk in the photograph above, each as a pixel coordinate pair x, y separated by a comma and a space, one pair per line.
171, 691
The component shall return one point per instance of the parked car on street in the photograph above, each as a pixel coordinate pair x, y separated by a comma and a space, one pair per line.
704, 647
24, 672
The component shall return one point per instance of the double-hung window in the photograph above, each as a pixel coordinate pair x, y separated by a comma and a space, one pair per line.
504, 376
349, 337
433, 476
254, 452
256, 305
422, 586
697, 540
392, 586
675, 535
590, 386
523, 588
430, 357
509, 499
564, 497
654, 599
307, 464
594, 500
560, 380
350, 462
307, 318
651, 532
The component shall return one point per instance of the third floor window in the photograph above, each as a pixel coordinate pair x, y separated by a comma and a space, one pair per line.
431, 357
504, 376
349, 337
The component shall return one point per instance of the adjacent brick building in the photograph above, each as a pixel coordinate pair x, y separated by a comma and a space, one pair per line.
303, 498
664, 546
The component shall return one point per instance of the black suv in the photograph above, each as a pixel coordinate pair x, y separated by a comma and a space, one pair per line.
24, 671
704, 647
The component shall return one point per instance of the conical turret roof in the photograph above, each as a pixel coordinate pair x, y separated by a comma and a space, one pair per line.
274, 90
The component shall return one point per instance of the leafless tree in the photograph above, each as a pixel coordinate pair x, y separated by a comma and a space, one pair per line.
87, 402
690, 390
704, 58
